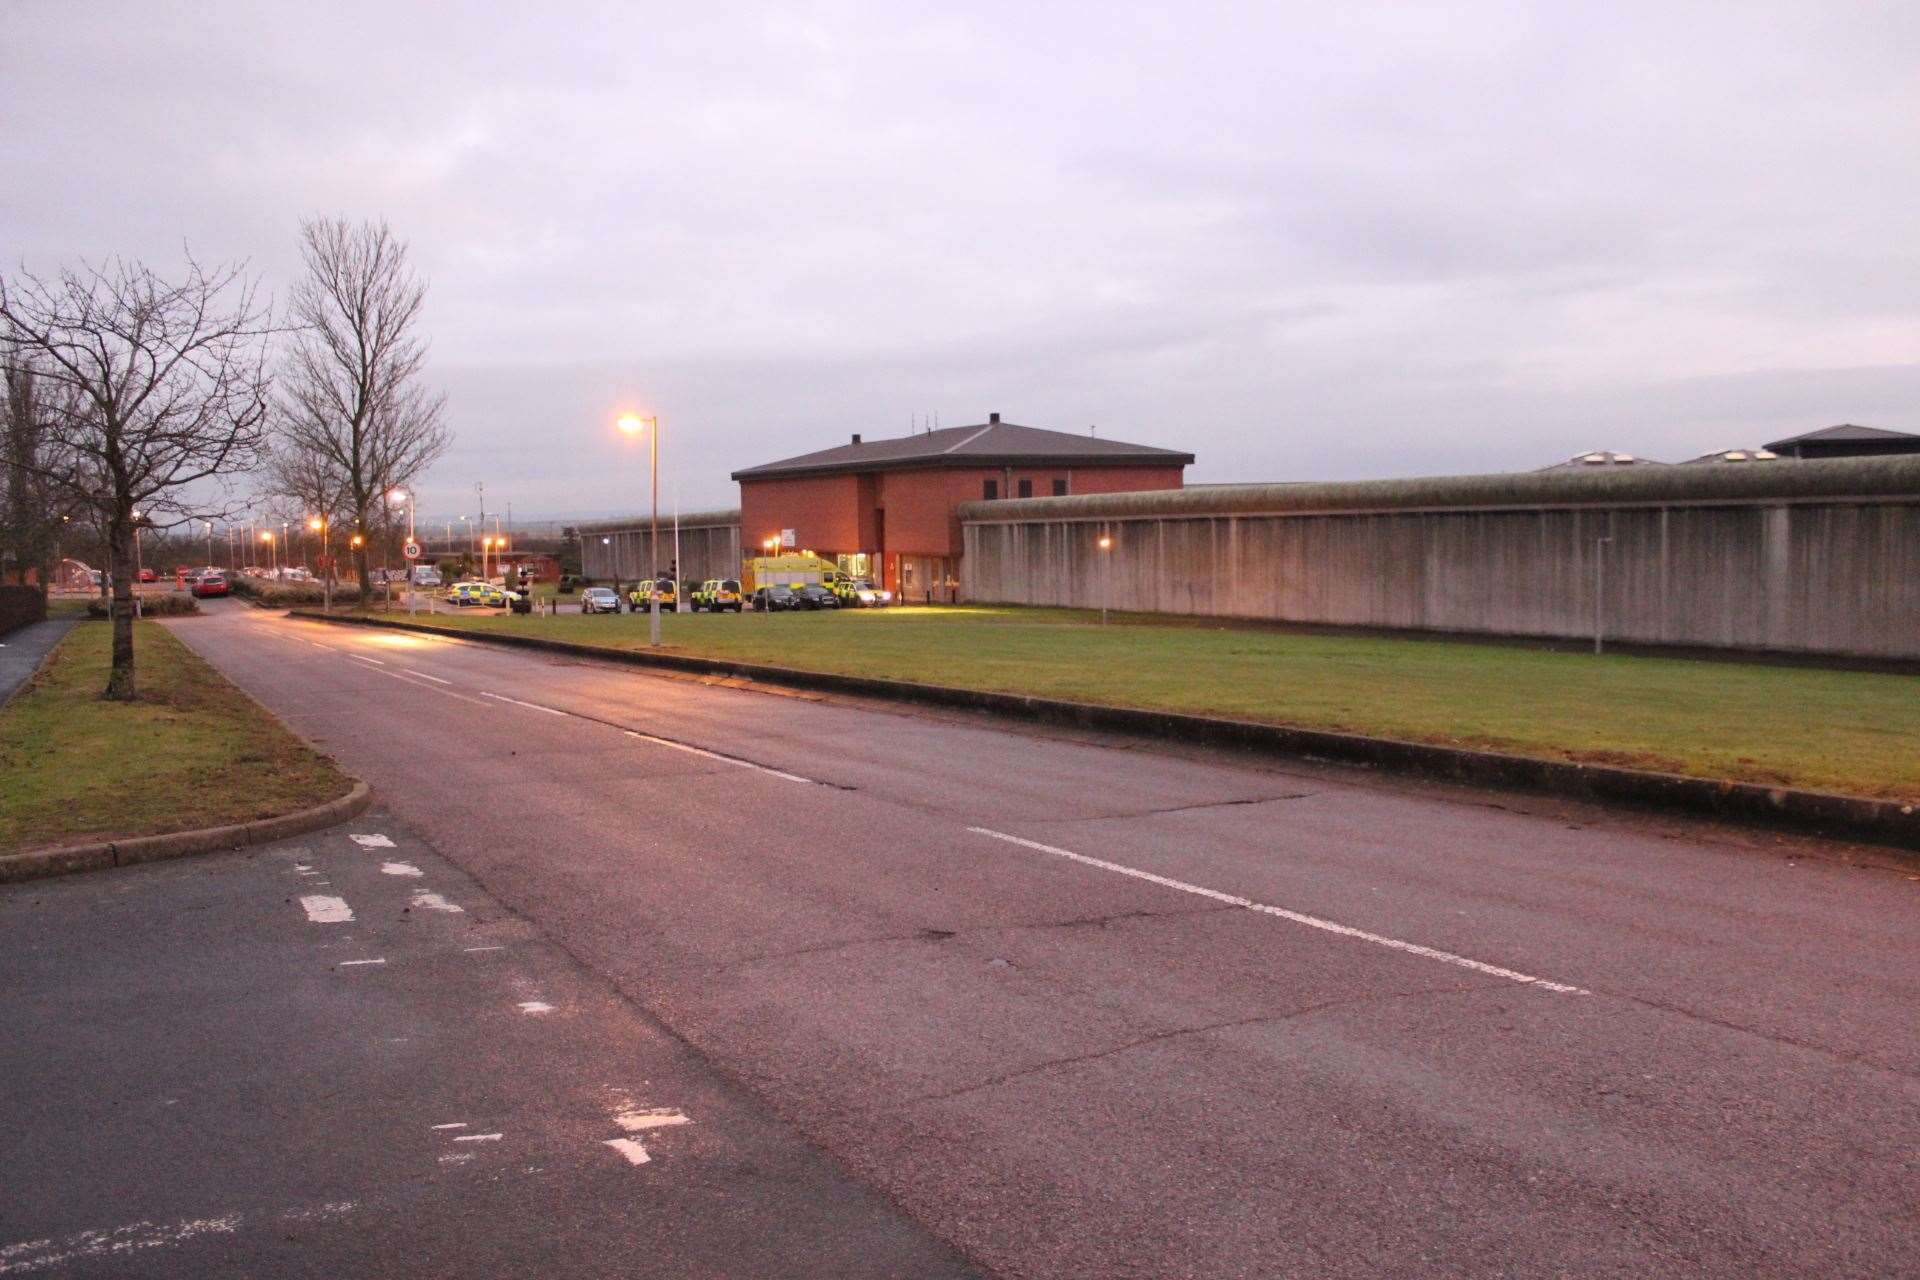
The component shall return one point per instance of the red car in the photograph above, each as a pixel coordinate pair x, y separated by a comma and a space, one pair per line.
210, 584
148, 575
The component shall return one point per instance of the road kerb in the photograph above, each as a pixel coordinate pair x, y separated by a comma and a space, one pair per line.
37, 864
1891, 823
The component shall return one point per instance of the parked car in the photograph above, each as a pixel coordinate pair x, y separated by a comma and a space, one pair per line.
775, 599
815, 596
599, 600
662, 590
425, 575
476, 593
210, 583
860, 593
717, 595
148, 575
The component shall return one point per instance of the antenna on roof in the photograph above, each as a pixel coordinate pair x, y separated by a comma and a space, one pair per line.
1092, 429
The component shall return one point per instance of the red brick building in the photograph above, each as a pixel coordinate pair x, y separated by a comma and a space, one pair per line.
885, 508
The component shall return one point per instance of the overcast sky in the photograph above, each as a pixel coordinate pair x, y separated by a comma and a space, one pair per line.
1301, 240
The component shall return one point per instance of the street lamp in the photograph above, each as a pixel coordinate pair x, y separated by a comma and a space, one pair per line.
1106, 573
769, 544
633, 424
401, 495
273, 550
319, 525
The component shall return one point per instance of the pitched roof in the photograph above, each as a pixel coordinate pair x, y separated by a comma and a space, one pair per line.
1846, 431
985, 444
1604, 458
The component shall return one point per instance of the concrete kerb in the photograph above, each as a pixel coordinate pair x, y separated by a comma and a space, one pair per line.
1882, 822
38, 863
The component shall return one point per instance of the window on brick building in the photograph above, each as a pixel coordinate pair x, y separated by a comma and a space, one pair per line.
989, 489
1026, 488
1059, 488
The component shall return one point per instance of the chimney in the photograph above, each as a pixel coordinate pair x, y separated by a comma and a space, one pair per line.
992, 418
856, 437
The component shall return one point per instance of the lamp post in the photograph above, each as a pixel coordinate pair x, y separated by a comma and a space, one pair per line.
633, 424
209, 544
1106, 573
273, 550
769, 544
402, 495
319, 525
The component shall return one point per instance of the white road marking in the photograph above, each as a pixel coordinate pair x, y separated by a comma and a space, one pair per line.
400, 869
531, 706
1297, 917
480, 1137
323, 908
535, 1006
456, 1157
483, 948
424, 676
345, 963
652, 1118
408, 678
112, 1242
635, 1152
375, 841
316, 644
457, 1124
434, 902
735, 761
362, 658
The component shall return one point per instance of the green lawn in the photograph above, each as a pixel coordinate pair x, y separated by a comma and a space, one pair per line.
1829, 730
193, 751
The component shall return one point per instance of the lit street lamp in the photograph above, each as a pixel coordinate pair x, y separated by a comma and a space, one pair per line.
633, 425
1106, 573
273, 550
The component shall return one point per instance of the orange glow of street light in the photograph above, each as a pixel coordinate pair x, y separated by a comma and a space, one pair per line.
267, 536
315, 523
1106, 543
633, 424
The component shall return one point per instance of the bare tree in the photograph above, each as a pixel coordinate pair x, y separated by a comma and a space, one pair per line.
350, 390
168, 387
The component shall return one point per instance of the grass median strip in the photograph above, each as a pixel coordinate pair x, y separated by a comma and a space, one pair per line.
1845, 731
192, 752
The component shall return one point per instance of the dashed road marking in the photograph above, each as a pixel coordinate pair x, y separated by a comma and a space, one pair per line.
400, 869
483, 948
651, 1118
322, 908
424, 676
1297, 917
457, 1124
535, 1006
735, 761
362, 658
434, 902
345, 963
480, 1137
374, 841
531, 706
635, 1152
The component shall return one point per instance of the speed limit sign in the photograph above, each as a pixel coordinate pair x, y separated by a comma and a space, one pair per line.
411, 551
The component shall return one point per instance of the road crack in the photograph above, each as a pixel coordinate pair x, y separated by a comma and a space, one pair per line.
1183, 808
1178, 1032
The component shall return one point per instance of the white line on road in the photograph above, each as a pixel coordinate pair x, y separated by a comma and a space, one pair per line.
535, 1006
424, 676
1297, 917
324, 909
651, 1118
361, 658
345, 963
400, 869
480, 1137
374, 841
114, 1242
713, 755
531, 706
434, 902
483, 948
457, 1124
635, 1152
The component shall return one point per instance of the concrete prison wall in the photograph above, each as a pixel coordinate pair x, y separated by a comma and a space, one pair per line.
1812, 557
709, 547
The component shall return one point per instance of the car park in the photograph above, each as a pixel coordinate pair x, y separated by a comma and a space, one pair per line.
599, 600
717, 595
814, 596
775, 599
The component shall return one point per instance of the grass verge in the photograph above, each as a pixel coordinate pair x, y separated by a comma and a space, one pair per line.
1846, 731
192, 752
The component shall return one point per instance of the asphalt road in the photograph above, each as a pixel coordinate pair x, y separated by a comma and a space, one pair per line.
1089, 1010
338, 1056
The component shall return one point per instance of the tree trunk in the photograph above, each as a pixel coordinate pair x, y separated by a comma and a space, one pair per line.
120, 686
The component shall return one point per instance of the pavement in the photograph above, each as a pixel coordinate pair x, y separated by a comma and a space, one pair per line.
338, 1056
1082, 1008
24, 648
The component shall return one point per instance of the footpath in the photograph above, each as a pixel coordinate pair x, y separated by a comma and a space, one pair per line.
22, 651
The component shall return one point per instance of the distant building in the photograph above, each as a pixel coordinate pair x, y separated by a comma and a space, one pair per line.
1846, 441
1603, 458
1737, 455
885, 508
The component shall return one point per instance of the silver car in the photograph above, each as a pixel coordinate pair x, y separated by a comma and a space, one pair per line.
599, 600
